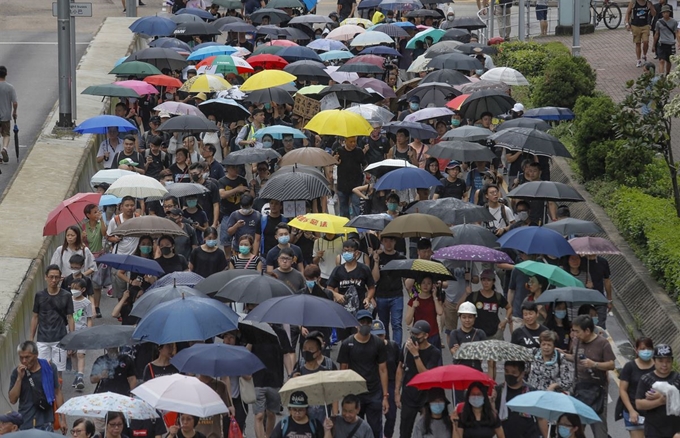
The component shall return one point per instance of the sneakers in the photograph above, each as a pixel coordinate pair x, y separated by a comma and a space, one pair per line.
79, 385
644, 58
5, 156
109, 293
99, 313
639, 63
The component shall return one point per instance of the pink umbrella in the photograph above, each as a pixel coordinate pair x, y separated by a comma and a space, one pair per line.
377, 85
593, 246
339, 76
69, 212
282, 43
140, 87
179, 108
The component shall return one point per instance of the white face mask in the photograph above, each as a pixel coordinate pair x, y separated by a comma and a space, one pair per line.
76, 293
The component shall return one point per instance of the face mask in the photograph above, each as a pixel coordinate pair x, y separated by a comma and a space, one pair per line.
206, 175
308, 356
246, 211
267, 106
414, 106
267, 144
450, 17
76, 273
168, 96
560, 314
564, 431
455, 123
211, 243
169, 183
476, 401
145, 249
317, 37
479, 72
365, 330
595, 320
195, 178
347, 256
166, 250
415, 340
511, 380
645, 354
76, 293
283, 240
191, 203
437, 408
310, 283
244, 249
392, 206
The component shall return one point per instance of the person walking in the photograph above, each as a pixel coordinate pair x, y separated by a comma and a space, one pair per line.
665, 35
629, 380
8, 109
638, 16
651, 398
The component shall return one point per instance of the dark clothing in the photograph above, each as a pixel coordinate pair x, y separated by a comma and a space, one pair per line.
157, 164
345, 9
487, 311
517, 425
119, 369
448, 189
413, 400
527, 337
152, 371
389, 286
632, 374
353, 285
377, 149
393, 352
641, 14
364, 358
598, 270
232, 203
268, 230
293, 279
657, 423
350, 167
207, 263
460, 337
147, 428
598, 350
295, 430
33, 417
478, 430
52, 311
134, 156
66, 285
185, 244
272, 356
180, 175
207, 200
176, 263
216, 170
272, 258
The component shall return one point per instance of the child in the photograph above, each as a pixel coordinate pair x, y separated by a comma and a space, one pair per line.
425, 306
82, 317
76, 263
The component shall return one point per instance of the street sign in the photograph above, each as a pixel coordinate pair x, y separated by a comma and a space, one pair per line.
77, 9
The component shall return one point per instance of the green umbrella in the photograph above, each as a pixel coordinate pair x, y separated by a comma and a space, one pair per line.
556, 276
110, 90
269, 50
281, 4
229, 4
435, 34
135, 68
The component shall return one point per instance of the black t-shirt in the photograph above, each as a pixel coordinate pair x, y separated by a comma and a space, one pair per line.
179, 174
31, 414
269, 234
147, 428
658, 424
393, 350
364, 358
52, 313
478, 430
599, 271
152, 371
431, 358
632, 374
377, 149
460, 337
295, 430
346, 7
134, 156
358, 280
517, 425
450, 189
207, 263
272, 258
271, 356
172, 264
527, 337
232, 203
158, 163
389, 286
206, 200
350, 168
119, 369
487, 311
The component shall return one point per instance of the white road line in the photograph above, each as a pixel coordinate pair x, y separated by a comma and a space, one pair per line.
35, 43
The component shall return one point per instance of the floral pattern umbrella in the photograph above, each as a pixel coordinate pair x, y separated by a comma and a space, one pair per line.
493, 350
593, 246
472, 253
99, 405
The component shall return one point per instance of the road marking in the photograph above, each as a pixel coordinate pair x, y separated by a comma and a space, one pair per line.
35, 43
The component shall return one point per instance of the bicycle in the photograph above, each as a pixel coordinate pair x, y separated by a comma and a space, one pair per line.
610, 13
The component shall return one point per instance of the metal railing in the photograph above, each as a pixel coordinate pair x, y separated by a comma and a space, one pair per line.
523, 24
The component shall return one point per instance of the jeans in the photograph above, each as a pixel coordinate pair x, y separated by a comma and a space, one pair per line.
408, 419
602, 316
344, 202
391, 312
371, 411
391, 415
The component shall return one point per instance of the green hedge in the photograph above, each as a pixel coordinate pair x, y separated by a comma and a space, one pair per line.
564, 80
529, 58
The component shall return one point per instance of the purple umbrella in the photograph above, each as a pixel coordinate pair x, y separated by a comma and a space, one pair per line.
377, 85
593, 246
472, 253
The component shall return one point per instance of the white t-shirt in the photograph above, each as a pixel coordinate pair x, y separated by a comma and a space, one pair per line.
105, 146
498, 216
82, 309
127, 245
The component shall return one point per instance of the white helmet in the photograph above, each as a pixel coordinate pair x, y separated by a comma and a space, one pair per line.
467, 307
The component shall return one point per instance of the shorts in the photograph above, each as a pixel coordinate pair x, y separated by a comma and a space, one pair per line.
450, 316
50, 352
664, 51
267, 399
640, 34
541, 12
4, 128
632, 426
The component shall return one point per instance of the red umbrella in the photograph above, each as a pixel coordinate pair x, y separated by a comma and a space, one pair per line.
376, 60
457, 102
267, 62
206, 61
69, 212
458, 377
163, 81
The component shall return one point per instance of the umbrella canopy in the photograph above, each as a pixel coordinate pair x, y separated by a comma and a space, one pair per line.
572, 294
253, 289
308, 156
170, 43
528, 140
324, 388
472, 253
380, 168
435, 34
267, 79
376, 85
310, 19
298, 53
135, 68
159, 57
278, 131
142, 88
276, 16
112, 90
339, 122
452, 211
460, 35
468, 133
569, 226
536, 240
418, 65
371, 38
375, 222
593, 246
499, 351
101, 124
281, 4
463, 151
469, 234
201, 318
209, 51
550, 113
546, 190
423, 13
178, 109
347, 92
160, 295
217, 360
523, 122
205, 15
468, 23
381, 50
428, 114
308, 71
442, 48
415, 129
416, 225
455, 61
178, 393
267, 95
372, 113
303, 309
292, 186
256, 332
177, 279
391, 30
195, 28
416, 268
555, 275
471, 49
225, 64
163, 81
68, 212
451, 77
148, 225
235, 26
345, 32
552, 405
216, 281
267, 62
339, 76
205, 83
450, 376
326, 45
321, 223
267, 50
483, 85
225, 110
98, 337
99, 406
506, 75
406, 178
189, 123
250, 155
137, 186
132, 263
185, 18
491, 101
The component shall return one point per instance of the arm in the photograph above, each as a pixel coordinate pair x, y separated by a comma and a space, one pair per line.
510, 298
500, 433
216, 214
651, 401
376, 266
609, 291
382, 368
629, 10
233, 192
15, 390
34, 326
410, 312
359, 191
132, 381
602, 366
399, 377
71, 323
438, 307
623, 393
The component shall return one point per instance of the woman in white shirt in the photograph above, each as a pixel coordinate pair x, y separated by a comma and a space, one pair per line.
73, 244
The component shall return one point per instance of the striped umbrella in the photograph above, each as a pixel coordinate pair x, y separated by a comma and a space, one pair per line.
415, 268
293, 186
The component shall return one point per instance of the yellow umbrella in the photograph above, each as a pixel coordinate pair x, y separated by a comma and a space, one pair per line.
340, 123
322, 223
366, 23
205, 83
311, 89
267, 79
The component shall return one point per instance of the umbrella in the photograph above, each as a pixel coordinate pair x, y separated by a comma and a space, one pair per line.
278, 131
450, 376
111, 90
406, 178
153, 26
217, 360
416, 225
304, 310
380, 168
452, 210
442, 48
225, 64
159, 57
555, 275
339, 122
550, 113
381, 50
356, 21
376, 85
457, 102
205, 83
201, 319
267, 79
216, 281
470, 49
308, 71
523, 122
177, 279
491, 101
276, 16
142, 88
185, 18
326, 45
178, 109
506, 75
339, 76
310, 19
321, 223
371, 38
569, 226
416, 268
469, 23
163, 81
282, 4
372, 113
420, 64
195, 28
159, 295
253, 289
298, 53
308, 156
333, 55
468, 234
415, 129
98, 337
292, 186
472, 253
37, 433
267, 50
237, 26
178, 393
391, 30
427, 114
347, 92
137, 186
205, 15
375, 222
400, 5
451, 77
170, 43
68, 212
435, 34
375, 60
546, 190
345, 32
424, 13
454, 61
108, 176
132, 263
468, 133
135, 68
360, 67
267, 95
593, 246
495, 350
529, 140
99, 406
107, 200
454, 34
326, 387
189, 123
249, 156
267, 62
226, 110
256, 332
552, 405
483, 85
572, 294
536, 240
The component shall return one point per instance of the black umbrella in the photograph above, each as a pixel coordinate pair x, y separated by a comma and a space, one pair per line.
160, 58
298, 34
195, 28
469, 48
484, 101
469, 23
256, 332
375, 222
529, 140
454, 34
550, 113
310, 19
452, 211
276, 16
253, 289
216, 281
424, 13
156, 296
546, 190
98, 338
569, 226
189, 124
523, 122
468, 234
267, 95
347, 93
451, 77
442, 48
225, 110
360, 67
308, 71
455, 61
437, 93
250, 155
226, 20
292, 186
392, 30
237, 26
483, 85
16, 138
463, 151
273, 31
415, 129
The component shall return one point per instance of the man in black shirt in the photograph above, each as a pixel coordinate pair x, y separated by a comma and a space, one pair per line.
169, 260
527, 336
452, 186
114, 372
393, 351
367, 355
389, 288
155, 160
128, 159
267, 382
346, 9
209, 201
598, 268
515, 425
658, 424
351, 161
376, 145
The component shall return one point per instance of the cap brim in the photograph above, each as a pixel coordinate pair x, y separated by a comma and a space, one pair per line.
378, 332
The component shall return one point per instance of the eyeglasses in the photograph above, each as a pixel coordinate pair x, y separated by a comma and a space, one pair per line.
116, 425
285, 259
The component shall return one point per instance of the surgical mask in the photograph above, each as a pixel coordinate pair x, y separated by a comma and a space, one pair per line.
511, 380
206, 175
283, 240
414, 106
246, 211
392, 206
437, 408
196, 178
267, 144
560, 314
365, 330
168, 96
308, 356
348, 256
310, 283
166, 250
476, 401
145, 249
564, 431
645, 354
76, 293
479, 72
76, 272
317, 37
191, 203
211, 243
169, 183
450, 17
244, 249
455, 123
595, 320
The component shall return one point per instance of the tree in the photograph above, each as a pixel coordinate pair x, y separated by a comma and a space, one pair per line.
644, 121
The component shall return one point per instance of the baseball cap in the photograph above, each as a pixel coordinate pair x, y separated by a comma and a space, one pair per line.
128, 162
467, 307
414, 99
488, 273
663, 350
363, 314
421, 326
12, 417
453, 164
164, 115
298, 399
102, 185
155, 119
518, 107
378, 328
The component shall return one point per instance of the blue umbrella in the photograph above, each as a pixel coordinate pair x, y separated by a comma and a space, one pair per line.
536, 240
302, 309
208, 44
298, 53
380, 50
99, 125
160, 295
170, 43
178, 278
185, 319
211, 51
551, 405
326, 45
404, 24
132, 263
217, 360
277, 132
368, 4
407, 178
153, 26
335, 54
120, 61
107, 200
197, 12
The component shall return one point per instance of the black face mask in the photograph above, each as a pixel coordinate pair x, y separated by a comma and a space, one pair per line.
365, 330
166, 250
416, 340
308, 356
511, 380
195, 178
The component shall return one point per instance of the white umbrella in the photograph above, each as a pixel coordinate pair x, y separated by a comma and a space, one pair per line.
339, 76
419, 64
137, 186
183, 394
345, 33
178, 109
391, 163
108, 176
99, 405
371, 38
372, 113
506, 75
325, 387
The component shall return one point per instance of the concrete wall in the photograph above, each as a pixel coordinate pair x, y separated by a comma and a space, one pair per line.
55, 169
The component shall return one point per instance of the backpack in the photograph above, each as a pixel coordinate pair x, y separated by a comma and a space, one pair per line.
504, 215
286, 421
475, 295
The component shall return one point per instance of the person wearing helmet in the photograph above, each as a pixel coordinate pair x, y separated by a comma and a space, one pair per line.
652, 399
467, 313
